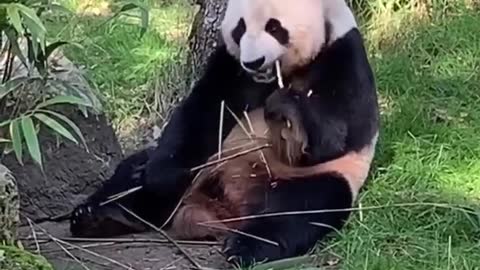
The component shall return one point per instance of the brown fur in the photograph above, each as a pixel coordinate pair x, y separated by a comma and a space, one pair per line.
231, 188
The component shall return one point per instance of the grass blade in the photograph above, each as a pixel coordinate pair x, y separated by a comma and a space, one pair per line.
16, 137
31, 140
55, 126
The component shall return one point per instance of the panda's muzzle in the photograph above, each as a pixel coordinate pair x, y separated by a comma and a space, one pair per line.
254, 65
259, 72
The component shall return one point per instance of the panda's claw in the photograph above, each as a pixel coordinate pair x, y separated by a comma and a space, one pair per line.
245, 251
83, 218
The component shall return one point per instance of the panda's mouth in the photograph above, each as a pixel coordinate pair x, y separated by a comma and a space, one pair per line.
264, 76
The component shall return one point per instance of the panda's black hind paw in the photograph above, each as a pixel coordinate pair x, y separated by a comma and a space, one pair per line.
246, 251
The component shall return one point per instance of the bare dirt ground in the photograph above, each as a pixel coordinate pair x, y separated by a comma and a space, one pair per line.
138, 254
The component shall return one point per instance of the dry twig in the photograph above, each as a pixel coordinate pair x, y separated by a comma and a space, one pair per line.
137, 240
34, 234
322, 211
164, 234
120, 195
279, 74
60, 243
262, 155
220, 128
214, 162
241, 233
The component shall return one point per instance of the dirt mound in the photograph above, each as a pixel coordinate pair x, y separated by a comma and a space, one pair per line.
70, 173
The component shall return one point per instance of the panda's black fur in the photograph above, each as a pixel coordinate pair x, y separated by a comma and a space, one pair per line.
339, 116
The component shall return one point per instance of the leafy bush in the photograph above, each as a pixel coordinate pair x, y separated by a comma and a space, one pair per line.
13, 258
27, 100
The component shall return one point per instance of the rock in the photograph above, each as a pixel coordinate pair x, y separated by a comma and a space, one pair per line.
9, 206
70, 173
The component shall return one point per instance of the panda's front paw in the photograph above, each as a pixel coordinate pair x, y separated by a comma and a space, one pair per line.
246, 251
282, 105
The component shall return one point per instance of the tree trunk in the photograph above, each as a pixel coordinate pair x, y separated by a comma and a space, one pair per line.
205, 33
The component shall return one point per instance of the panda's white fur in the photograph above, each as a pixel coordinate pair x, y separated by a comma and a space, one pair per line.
305, 38
305, 42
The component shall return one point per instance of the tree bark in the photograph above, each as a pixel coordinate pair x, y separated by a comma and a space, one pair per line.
205, 33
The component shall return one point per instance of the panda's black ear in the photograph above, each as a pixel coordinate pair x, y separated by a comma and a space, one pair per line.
239, 30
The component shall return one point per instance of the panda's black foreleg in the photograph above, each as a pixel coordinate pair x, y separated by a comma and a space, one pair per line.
294, 234
98, 217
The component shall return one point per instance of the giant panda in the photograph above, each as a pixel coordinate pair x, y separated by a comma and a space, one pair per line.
320, 130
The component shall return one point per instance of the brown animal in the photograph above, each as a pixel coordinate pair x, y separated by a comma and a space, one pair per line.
232, 188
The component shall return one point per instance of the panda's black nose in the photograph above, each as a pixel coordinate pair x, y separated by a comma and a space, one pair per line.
255, 64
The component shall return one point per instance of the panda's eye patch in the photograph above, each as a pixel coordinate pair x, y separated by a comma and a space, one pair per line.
239, 30
273, 25
275, 28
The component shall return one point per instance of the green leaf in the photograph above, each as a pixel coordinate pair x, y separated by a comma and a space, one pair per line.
4, 91
12, 38
145, 20
14, 18
4, 123
38, 37
30, 14
55, 126
84, 92
31, 139
64, 100
34, 26
144, 15
128, 7
52, 47
72, 125
16, 137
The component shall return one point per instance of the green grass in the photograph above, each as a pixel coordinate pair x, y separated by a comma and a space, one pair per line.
123, 66
429, 152
427, 64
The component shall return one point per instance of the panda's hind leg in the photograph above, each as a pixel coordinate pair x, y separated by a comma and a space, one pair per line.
186, 224
292, 235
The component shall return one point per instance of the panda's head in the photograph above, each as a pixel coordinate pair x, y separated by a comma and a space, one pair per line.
260, 32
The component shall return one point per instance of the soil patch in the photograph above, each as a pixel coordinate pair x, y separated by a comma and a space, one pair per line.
139, 255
